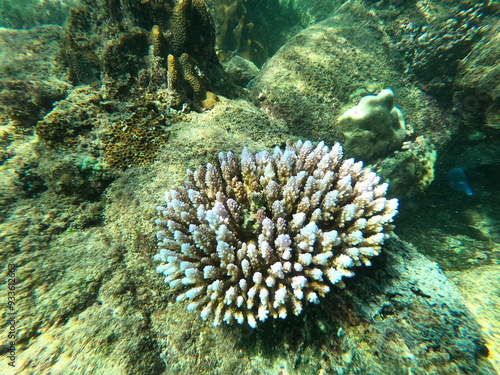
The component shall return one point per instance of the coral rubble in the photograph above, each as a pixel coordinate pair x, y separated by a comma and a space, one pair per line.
263, 237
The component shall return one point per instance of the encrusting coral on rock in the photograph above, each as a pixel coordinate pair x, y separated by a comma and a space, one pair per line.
373, 127
264, 236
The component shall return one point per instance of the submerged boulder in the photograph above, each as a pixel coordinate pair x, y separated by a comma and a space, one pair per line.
327, 68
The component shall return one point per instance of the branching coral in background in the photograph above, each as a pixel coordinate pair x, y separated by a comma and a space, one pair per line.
252, 29
132, 51
265, 236
189, 38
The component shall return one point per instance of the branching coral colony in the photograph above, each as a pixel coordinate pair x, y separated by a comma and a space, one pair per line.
268, 234
148, 50
191, 32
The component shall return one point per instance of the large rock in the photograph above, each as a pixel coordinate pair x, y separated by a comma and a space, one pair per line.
326, 69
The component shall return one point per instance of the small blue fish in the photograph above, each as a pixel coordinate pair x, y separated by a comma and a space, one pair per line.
457, 180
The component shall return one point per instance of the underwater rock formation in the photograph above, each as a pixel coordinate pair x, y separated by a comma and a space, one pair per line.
28, 14
30, 82
131, 68
118, 134
434, 37
325, 69
457, 180
266, 236
411, 169
374, 126
89, 300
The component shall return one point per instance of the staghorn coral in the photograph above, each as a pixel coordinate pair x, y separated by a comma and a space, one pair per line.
265, 236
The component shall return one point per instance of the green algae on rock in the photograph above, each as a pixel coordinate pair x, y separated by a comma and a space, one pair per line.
89, 298
318, 74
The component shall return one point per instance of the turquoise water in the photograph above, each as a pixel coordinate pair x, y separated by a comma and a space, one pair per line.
105, 104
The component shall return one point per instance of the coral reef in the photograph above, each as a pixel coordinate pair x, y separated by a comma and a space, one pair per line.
191, 30
477, 85
272, 234
241, 70
142, 47
434, 36
411, 169
374, 127
119, 136
480, 285
190, 40
30, 82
